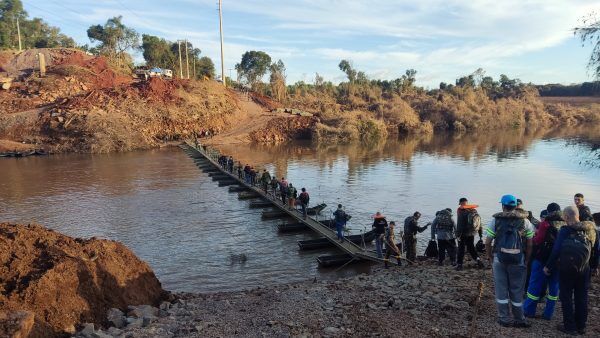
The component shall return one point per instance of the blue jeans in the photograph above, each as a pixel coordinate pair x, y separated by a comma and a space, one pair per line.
339, 227
379, 245
574, 286
303, 209
537, 283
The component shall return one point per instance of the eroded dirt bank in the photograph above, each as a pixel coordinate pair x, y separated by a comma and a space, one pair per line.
62, 281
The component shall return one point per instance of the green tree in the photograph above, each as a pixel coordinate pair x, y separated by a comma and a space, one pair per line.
346, 67
589, 32
205, 67
114, 39
35, 33
253, 67
157, 52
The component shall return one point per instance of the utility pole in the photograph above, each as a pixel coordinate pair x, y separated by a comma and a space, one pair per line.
194, 65
19, 33
187, 63
221, 32
180, 64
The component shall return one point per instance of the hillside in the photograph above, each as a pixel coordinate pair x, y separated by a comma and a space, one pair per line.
85, 105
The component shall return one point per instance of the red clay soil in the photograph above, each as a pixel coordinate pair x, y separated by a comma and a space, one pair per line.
159, 90
64, 281
265, 101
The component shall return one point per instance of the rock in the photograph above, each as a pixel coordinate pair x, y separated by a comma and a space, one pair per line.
133, 322
17, 324
142, 311
164, 306
371, 306
330, 330
116, 318
100, 334
113, 331
88, 329
60, 119
147, 320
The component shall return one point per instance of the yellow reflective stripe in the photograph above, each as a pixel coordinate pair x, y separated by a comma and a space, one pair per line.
532, 297
490, 232
529, 234
552, 297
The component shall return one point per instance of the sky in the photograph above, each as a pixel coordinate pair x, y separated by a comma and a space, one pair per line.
442, 39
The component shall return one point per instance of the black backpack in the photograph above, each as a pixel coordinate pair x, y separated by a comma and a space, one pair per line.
444, 221
575, 253
509, 242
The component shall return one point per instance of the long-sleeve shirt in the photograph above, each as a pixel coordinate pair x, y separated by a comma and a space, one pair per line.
379, 225
411, 227
565, 232
443, 233
585, 214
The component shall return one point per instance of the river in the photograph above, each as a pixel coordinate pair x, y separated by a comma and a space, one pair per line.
175, 217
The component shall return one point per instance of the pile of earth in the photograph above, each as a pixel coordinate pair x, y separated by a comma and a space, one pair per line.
64, 281
285, 128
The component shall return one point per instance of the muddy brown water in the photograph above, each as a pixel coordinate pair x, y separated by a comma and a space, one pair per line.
187, 228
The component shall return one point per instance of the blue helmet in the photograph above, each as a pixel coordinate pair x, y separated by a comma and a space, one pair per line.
509, 200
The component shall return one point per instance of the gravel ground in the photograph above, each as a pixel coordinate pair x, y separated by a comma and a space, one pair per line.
424, 300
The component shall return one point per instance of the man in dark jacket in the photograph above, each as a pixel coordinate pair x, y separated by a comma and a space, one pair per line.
574, 275
585, 214
466, 228
411, 228
444, 227
379, 226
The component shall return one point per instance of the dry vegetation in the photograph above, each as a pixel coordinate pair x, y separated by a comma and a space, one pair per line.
367, 110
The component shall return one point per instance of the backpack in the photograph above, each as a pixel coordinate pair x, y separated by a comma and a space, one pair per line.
509, 243
304, 198
575, 253
444, 221
432, 249
340, 216
473, 220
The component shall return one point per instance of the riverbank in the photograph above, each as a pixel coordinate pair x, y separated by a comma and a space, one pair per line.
420, 301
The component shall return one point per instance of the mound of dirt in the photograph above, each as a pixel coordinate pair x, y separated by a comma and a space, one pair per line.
159, 90
265, 101
64, 281
285, 128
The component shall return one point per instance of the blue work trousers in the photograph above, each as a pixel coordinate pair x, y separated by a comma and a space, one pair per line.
538, 281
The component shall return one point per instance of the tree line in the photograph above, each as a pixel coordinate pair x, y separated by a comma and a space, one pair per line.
113, 39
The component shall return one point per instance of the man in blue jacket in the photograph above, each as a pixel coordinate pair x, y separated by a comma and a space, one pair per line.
571, 255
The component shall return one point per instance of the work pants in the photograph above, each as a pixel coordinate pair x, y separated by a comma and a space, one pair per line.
389, 252
410, 245
469, 243
574, 287
379, 245
538, 281
339, 227
447, 245
509, 281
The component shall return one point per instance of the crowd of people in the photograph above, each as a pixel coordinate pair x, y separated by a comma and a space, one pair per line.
540, 260
278, 188
533, 261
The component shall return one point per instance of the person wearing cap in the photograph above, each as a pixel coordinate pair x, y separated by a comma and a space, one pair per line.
543, 242
509, 230
585, 214
467, 226
444, 227
340, 219
379, 226
411, 228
